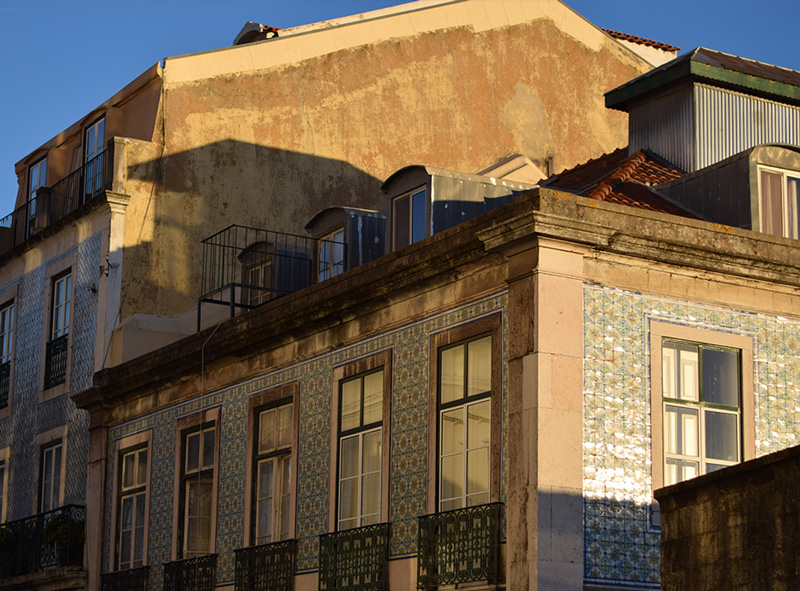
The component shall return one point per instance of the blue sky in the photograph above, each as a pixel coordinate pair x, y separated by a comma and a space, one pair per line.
62, 58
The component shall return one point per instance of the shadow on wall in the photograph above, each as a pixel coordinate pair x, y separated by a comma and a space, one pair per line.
206, 189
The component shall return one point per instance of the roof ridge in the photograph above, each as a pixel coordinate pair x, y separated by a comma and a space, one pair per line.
640, 40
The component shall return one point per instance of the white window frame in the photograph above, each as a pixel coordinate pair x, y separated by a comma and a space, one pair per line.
790, 227
327, 247
661, 332
48, 440
137, 442
55, 271
413, 203
279, 457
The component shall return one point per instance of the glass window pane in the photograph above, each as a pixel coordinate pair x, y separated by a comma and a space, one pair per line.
266, 470
371, 494
771, 203
126, 521
722, 442
479, 376
721, 377
208, 448
373, 397
125, 550
402, 221
285, 425
418, 210
128, 470
348, 499
792, 206
478, 499
689, 372
452, 430
192, 452
478, 470
348, 464
668, 372
371, 461
451, 374
266, 431
452, 484
688, 426
451, 504
351, 405
479, 425
142, 469
264, 521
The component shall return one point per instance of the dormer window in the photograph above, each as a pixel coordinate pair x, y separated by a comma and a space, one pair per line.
257, 273
778, 199
37, 178
409, 215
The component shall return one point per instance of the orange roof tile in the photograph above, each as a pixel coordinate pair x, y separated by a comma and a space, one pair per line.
622, 179
641, 40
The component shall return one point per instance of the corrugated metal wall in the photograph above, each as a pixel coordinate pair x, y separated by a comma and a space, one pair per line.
665, 126
729, 122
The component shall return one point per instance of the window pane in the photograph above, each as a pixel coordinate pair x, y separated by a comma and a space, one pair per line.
451, 374
680, 430
208, 448
689, 432
721, 436
452, 430
351, 405
264, 524
721, 377
285, 425
418, 209
792, 206
371, 495
479, 377
348, 499
373, 397
452, 477
401, 222
478, 499
690, 375
192, 452
479, 429
348, 466
771, 210
371, 461
126, 521
142, 470
266, 431
266, 474
668, 372
478, 470
128, 470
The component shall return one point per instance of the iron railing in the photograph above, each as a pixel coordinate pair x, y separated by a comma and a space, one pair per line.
54, 538
5, 383
191, 574
55, 362
132, 579
51, 204
459, 546
245, 267
354, 559
269, 567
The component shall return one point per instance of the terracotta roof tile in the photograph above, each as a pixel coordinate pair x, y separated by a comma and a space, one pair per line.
641, 40
622, 179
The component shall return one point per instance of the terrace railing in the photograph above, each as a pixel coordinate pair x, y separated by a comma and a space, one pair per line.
54, 538
246, 267
268, 567
133, 579
191, 574
354, 559
55, 202
459, 546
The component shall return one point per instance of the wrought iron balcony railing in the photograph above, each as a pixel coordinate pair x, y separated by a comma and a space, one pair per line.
459, 546
48, 539
55, 362
191, 574
5, 383
354, 559
269, 567
133, 579
51, 204
245, 267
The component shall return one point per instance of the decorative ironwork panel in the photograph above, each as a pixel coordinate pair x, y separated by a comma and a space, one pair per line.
269, 567
48, 539
355, 558
5, 382
192, 574
55, 370
459, 546
133, 579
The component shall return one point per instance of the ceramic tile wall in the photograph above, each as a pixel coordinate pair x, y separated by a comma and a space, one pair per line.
409, 478
29, 417
621, 547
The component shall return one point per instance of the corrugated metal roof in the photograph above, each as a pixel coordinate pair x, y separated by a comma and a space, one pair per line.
622, 179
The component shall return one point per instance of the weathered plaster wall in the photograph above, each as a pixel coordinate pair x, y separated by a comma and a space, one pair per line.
254, 136
411, 358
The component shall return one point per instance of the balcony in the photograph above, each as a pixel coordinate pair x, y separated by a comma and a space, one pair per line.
354, 559
55, 364
191, 574
53, 203
269, 567
134, 579
45, 540
246, 267
460, 546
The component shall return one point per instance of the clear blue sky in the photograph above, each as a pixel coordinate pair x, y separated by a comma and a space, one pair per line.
62, 58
